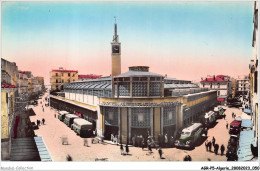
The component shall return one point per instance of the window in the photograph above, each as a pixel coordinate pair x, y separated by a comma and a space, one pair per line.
139, 89
68, 80
62, 81
56, 74
218, 93
203, 84
73, 80
57, 87
140, 117
73, 75
218, 85
155, 88
111, 116
56, 81
210, 85
124, 89
69, 74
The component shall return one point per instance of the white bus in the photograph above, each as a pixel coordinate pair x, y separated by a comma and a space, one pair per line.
61, 115
82, 127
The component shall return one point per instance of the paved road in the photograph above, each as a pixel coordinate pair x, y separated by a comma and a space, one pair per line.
54, 129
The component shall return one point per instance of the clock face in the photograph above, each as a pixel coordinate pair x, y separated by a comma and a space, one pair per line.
115, 49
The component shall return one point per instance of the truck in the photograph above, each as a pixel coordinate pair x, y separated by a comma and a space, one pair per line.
69, 119
61, 115
190, 135
235, 127
82, 127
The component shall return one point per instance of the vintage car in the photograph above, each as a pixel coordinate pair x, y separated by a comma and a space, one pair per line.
190, 136
82, 127
61, 115
69, 119
235, 127
233, 141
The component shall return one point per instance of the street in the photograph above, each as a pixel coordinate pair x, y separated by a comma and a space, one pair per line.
53, 130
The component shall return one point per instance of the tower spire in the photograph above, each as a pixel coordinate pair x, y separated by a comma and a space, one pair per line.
115, 38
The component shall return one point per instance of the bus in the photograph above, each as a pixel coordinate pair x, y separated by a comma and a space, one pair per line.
69, 119
210, 118
61, 115
190, 135
82, 127
219, 110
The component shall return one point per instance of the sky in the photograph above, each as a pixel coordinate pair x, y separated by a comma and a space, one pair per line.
185, 40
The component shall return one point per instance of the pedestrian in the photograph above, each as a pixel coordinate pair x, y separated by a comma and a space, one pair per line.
224, 116
127, 149
86, 142
207, 145
160, 152
171, 141
235, 116
38, 122
206, 132
227, 125
216, 149
213, 141
122, 149
232, 114
55, 115
43, 109
43, 120
222, 149
210, 146
133, 140
166, 140
112, 137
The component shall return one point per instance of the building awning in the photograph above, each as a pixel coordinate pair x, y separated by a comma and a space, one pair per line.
43, 151
247, 111
247, 123
221, 99
244, 152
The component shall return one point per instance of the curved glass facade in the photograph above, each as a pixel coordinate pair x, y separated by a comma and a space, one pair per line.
140, 117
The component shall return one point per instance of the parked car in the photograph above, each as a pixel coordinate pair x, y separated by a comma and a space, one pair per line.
82, 127
61, 115
190, 136
235, 127
231, 154
233, 141
69, 119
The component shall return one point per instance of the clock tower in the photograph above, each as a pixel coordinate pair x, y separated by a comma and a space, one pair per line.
116, 53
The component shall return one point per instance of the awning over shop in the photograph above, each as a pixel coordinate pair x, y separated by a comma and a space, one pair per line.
244, 149
221, 99
247, 111
247, 123
43, 151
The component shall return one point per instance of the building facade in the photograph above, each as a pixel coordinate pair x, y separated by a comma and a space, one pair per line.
253, 66
242, 83
222, 84
9, 72
137, 102
22, 83
41, 83
8, 93
61, 77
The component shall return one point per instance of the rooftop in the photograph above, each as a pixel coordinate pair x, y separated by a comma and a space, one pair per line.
139, 74
62, 70
89, 76
215, 79
4, 85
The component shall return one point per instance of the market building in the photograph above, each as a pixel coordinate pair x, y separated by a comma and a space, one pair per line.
137, 102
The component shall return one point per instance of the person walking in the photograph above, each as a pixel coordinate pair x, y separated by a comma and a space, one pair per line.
38, 122
232, 114
160, 152
122, 149
55, 115
150, 148
86, 142
224, 116
216, 149
127, 149
133, 140
210, 146
207, 145
213, 141
227, 125
43, 121
222, 149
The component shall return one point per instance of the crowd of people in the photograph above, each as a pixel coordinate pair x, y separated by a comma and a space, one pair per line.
213, 144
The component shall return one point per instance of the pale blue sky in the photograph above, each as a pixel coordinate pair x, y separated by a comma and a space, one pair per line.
186, 40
